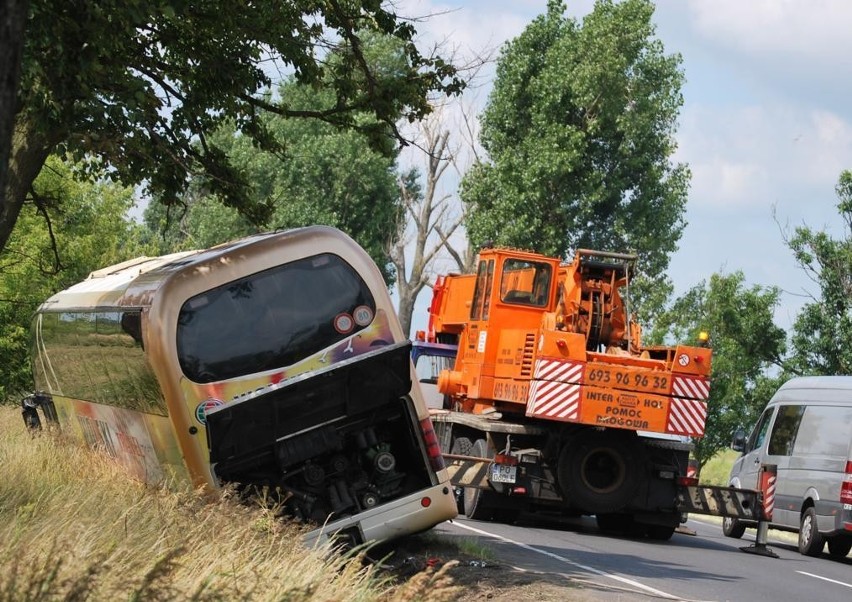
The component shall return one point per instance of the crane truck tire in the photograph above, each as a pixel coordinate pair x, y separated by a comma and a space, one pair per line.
731, 527
475, 502
614, 523
462, 446
660, 532
600, 472
482, 504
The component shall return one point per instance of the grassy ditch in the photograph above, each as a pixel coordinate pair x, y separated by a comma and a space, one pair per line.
75, 527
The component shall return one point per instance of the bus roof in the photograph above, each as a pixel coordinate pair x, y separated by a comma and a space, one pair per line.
133, 283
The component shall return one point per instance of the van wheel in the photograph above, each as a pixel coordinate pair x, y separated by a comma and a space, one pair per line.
839, 547
731, 527
811, 541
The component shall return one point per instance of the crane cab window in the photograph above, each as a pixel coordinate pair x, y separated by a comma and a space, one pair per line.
525, 283
482, 292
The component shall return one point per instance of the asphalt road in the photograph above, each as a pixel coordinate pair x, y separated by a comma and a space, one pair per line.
707, 566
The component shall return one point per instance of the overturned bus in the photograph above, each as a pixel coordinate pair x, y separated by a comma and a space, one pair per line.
274, 362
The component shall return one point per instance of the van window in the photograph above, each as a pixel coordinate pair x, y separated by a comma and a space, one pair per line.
784, 430
824, 432
758, 435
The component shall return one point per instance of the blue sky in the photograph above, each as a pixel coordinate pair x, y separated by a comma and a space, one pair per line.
766, 125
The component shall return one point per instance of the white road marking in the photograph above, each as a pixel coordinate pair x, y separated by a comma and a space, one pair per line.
590, 569
826, 579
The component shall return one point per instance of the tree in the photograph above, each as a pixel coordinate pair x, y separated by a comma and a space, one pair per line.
823, 328
746, 345
426, 221
327, 176
579, 129
137, 87
13, 18
85, 220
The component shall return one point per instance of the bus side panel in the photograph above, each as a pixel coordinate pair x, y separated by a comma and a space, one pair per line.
142, 443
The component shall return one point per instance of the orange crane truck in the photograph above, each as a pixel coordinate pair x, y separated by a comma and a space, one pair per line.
553, 387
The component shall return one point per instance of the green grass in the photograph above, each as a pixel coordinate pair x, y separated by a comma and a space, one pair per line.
472, 547
74, 527
717, 470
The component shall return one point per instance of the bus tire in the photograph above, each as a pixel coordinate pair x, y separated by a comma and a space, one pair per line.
600, 471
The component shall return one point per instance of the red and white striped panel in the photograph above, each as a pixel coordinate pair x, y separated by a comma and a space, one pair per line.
692, 387
686, 417
554, 400
563, 372
769, 496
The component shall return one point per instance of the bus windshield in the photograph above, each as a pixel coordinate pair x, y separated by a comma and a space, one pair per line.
271, 319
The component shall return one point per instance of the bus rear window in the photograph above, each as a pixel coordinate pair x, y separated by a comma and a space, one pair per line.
271, 319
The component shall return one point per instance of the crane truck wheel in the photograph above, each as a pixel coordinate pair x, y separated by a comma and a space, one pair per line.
462, 446
614, 523
599, 472
475, 500
731, 527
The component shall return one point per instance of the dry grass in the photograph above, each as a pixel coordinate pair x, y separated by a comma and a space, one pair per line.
74, 527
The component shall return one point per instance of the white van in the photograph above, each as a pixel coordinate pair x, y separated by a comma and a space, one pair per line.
806, 431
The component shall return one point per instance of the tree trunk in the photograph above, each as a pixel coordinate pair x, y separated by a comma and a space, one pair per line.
406, 309
13, 20
30, 149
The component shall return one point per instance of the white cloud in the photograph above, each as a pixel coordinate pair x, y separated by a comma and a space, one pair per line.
799, 48
812, 30
754, 157
467, 27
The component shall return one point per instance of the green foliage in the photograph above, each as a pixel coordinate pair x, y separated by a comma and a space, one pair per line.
87, 221
745, 342
717, 470
324, 176
580, 130
823, 329
141, 85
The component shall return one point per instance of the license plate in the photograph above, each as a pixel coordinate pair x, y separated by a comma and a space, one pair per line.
503, 473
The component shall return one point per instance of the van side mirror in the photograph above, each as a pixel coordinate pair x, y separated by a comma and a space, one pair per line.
738, 442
